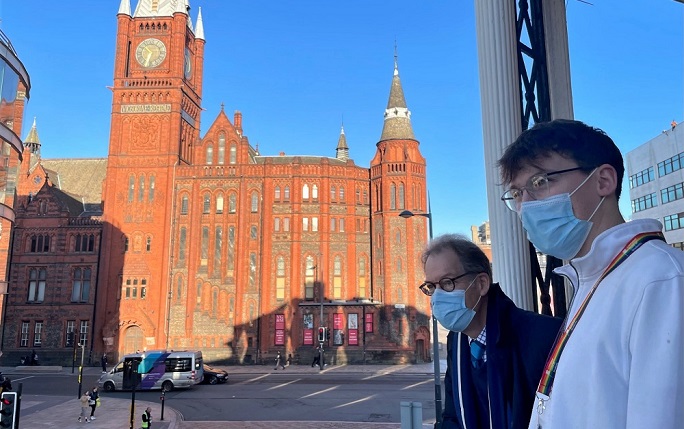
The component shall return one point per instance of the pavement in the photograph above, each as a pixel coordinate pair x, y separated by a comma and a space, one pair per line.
43, 412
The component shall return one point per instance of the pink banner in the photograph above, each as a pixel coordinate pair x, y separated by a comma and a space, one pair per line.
353, 337
308, 336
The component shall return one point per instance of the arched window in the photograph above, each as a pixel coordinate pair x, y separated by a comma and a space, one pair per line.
218, 244
181, 246
232, 203
332, 193
221, 149
148, 244
401, 197
276, 224
399, 266
253, 232
233, 153
314, 192
199, 290
341, 194
210, 155
287, 193
206, 207
131, 188
277, 193
280, 278
337, 278
204, 246
305, 192
255, 202
179, 288
219, 203
252, 269
150, 196
184, 205
393, 196
141, 188
214, 302
230, 257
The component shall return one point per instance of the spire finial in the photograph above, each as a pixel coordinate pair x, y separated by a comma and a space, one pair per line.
222, 105
396, 63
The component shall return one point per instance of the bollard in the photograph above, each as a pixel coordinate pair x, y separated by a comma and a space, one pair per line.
411, 415
163, 395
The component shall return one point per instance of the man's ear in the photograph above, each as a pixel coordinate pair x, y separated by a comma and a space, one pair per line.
483, 282
607, 181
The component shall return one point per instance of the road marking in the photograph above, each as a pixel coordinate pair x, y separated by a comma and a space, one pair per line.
284, 384
411, 386
367, 398
319, 392
25, 378
255, 378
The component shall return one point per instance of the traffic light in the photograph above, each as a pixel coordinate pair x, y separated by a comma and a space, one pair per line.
322, 334
9, 409
70, 339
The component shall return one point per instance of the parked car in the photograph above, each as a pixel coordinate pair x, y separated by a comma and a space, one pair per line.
214, 375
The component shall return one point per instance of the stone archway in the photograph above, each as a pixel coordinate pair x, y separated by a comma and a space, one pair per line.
133, 339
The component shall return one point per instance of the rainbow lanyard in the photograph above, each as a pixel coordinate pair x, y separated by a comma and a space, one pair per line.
546, 383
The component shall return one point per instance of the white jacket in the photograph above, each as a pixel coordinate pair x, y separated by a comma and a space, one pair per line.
623, 366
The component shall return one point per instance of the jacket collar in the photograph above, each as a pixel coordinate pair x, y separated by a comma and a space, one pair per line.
604, 249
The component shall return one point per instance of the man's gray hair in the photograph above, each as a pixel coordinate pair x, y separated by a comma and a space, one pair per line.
472, 257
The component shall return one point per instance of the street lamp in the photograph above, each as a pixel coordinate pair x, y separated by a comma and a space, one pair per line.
320, 294
435, 336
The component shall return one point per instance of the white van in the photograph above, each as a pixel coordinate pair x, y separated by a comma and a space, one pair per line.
158, 369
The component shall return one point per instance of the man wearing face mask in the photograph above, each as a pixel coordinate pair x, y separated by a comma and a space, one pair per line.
617, 362
495, 351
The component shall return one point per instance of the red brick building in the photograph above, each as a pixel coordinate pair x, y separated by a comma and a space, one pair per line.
204, 243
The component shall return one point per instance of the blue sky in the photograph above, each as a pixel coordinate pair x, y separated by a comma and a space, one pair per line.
296, 70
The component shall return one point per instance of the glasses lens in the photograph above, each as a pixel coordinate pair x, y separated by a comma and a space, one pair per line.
427, 288
512, 199
538, 186
447, 285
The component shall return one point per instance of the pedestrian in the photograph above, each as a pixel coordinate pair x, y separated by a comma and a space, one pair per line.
279, 361
495, 350
85, 398
617, 363
289, 359
147, 418
317, 357
34, 358
103, 362
94, 399
6, 385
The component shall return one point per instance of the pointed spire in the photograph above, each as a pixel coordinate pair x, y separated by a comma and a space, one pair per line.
32, 141
397, 115
152, 8
180, 7
125, 7
342, 148
199, 27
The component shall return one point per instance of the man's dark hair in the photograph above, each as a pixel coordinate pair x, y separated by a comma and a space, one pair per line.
472, 257
590, 147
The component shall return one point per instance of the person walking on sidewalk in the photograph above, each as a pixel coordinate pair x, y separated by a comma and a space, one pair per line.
94, 397
279, 361
85, 398
147, 418
317, 357
103, 362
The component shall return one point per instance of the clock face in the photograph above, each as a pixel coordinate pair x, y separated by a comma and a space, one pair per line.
150, 53
37, 180
188, 64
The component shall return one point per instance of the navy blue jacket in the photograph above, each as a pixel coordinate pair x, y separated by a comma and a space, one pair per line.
518, 343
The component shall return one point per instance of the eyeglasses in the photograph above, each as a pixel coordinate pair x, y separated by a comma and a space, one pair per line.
537, 188
446, 284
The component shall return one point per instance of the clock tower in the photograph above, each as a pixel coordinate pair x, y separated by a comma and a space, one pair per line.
155, 121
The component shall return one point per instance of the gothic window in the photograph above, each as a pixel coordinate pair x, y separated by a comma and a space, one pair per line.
400, 202
333, 224
219, 204
277, 193
80, 285
393, 196
40, 243
252, 269
232, 203
314, 192
358, 196
280, 278
37, 281
218, 242
206, 207
141, 188
337, 278
204, 252
255, 202
126, 243
148, 244
362, 277
214, 302
184, 205
286, 224
179, 289
131, 188
222, 149
305, 192
341, 194
230, 259
210, 155
341, 224
84, 243
253, 232
333, 191
365, 196
181, 246
150, 195
276, 224
199, 290
314, 224
305, 224
309, 277
233, 153
286, 195
397, 237
399, 267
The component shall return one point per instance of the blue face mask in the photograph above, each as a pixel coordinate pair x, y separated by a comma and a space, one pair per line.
552, 226
449, 308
